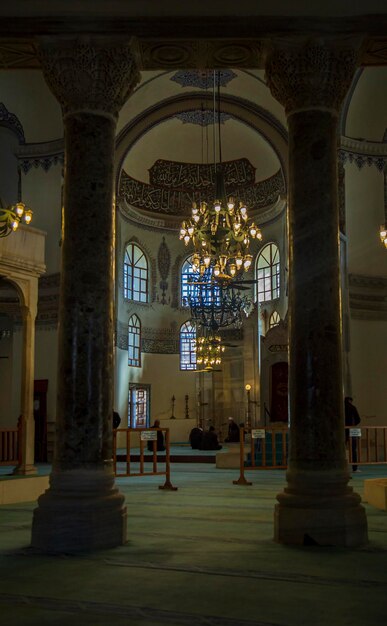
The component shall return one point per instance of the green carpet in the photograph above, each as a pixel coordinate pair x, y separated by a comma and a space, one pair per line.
201, 556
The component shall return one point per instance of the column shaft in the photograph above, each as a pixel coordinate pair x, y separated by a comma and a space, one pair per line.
317, 506
315, 376
82, 509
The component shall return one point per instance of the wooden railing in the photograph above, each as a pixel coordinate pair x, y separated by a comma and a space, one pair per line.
10, 445
135, 455
267, 448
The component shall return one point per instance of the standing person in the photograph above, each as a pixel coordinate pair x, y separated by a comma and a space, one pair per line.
352, 418
233, 431
160, 438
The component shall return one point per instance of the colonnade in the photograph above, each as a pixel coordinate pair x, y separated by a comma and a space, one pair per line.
92, 78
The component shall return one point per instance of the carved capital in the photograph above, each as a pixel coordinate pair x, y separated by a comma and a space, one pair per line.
89, 74
314, 75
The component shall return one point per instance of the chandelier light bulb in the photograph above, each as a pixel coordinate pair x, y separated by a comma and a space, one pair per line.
207, 260
232, 269
194, 209
253, 230
383, 233
190, 230
247, 261
217, 206
186, 239
28, 216
19, 209
239, 261
14, 225
196, 218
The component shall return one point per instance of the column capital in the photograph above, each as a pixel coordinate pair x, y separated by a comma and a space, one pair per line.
313, 74
89, 74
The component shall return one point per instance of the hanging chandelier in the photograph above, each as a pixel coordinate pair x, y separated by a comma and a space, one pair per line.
11, 217
215, 303
220, 233
209, 350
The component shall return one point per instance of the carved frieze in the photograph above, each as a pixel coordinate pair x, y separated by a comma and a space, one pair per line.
153, 340
311, 76
183, 176
89, 74
177, 202
164, 263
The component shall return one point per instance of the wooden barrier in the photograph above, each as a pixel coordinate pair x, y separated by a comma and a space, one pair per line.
365, 446
130, 457
10, 445
268, 449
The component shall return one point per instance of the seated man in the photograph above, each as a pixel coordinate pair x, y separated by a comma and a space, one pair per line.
210, 440
160, 439
195, 438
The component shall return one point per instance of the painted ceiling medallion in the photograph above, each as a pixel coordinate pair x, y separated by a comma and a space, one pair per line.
202, 79
202, 118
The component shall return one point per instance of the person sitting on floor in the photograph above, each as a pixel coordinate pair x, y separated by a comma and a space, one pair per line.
160, 438
195, 438
210, 440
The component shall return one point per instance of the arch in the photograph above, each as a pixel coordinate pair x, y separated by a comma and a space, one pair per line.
134, 341
245, 111
187, 346
136, 273
267, 271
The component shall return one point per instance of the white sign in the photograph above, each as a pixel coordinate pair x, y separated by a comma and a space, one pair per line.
149, 435
355, 432
258, 433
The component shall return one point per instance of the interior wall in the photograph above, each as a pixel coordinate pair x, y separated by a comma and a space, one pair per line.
368, 367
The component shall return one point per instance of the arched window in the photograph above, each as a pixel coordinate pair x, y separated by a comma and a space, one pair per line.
188, 273
190, 276
134, 341
135, 274
268, 273
274, 319
187, 347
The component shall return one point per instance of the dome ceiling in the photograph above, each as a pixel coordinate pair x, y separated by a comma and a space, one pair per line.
183, 146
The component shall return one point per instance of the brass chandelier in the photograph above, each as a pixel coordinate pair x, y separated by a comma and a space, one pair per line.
220, 233
209, 350
383, 234
11, 217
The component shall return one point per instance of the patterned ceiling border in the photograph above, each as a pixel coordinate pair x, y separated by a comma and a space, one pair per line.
44, 155
201, 118
363, 152
11, 121
203, 79
368, 297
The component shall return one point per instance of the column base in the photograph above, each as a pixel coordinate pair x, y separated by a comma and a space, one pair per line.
81, 511
320, 512
25, 470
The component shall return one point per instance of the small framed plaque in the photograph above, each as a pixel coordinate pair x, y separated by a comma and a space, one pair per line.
148, 435
258, 433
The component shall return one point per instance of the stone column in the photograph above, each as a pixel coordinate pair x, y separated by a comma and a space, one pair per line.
317, 506
82, 509
29, 294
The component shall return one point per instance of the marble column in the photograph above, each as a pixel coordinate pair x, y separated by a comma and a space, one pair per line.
82, 509
28, 290
317, 506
